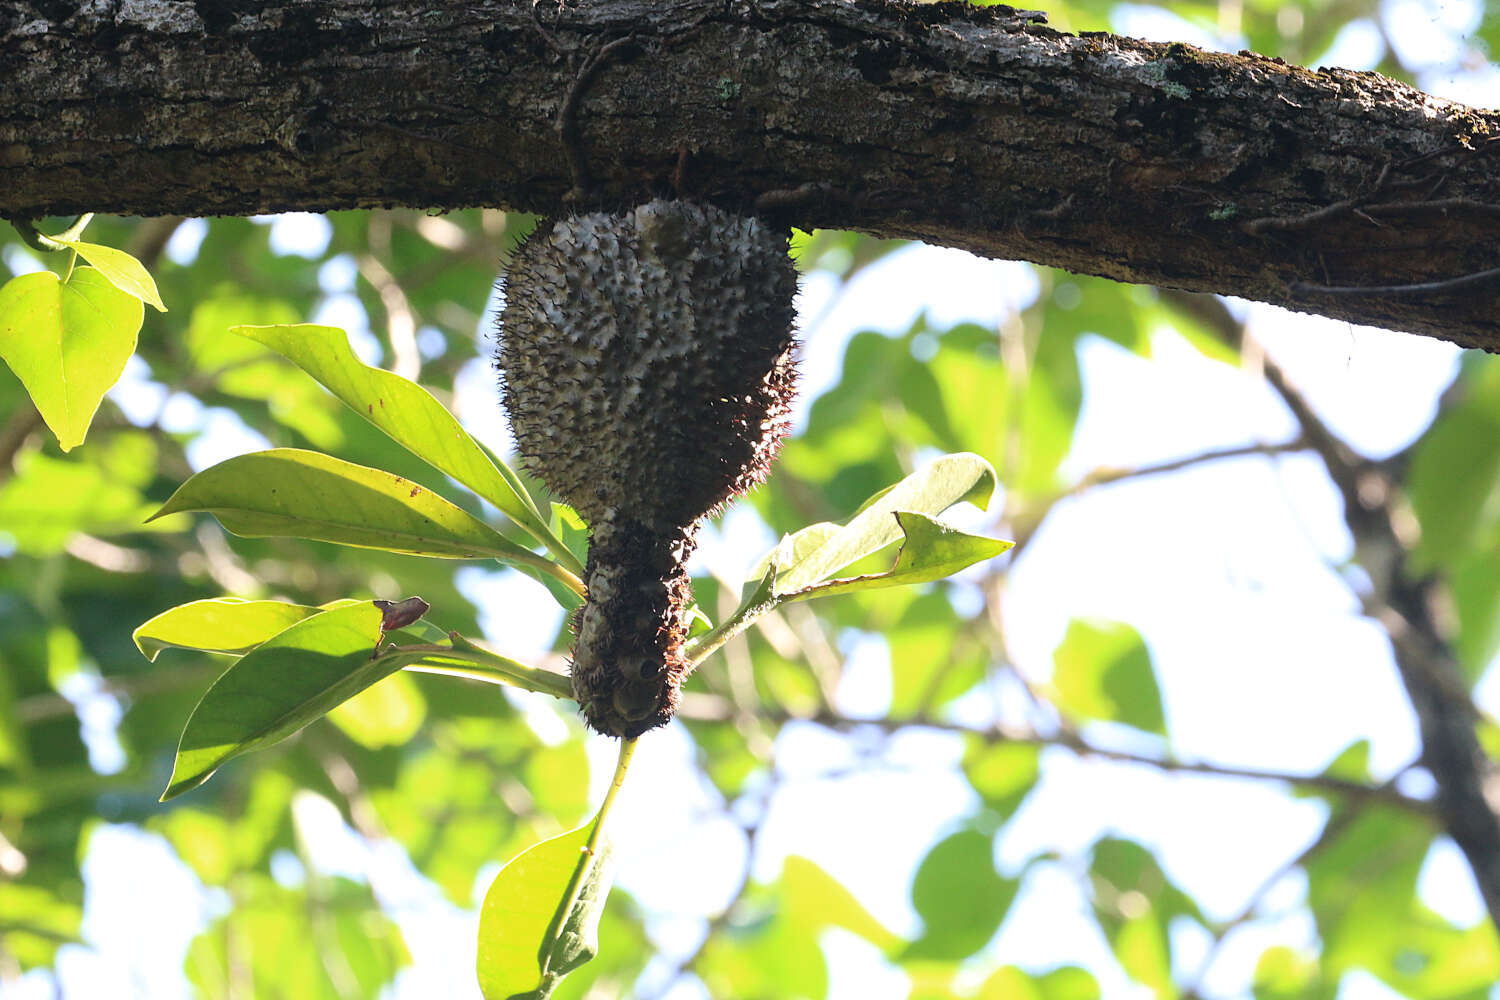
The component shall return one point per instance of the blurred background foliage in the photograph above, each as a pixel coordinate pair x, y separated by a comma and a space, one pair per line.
442, 781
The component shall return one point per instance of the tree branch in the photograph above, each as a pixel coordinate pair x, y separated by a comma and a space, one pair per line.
709, 708
980, 128
1467, 780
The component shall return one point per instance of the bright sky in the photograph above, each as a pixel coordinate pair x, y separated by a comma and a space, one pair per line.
1224, 569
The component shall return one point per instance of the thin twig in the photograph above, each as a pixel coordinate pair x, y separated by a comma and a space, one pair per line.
703, 709
1478, 278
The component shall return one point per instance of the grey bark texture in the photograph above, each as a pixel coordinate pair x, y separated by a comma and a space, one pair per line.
1335, 192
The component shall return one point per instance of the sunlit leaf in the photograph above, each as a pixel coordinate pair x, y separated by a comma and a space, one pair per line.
929, 491
405, 411
68, 343
50, 499
387, 714
1102, 671
327, 941
305, 494
35, 922
218, 625
815, 900
1002, 773
271, 692
121, 270
931, 551
960, 898
526, 945
1142, 948
1066, 983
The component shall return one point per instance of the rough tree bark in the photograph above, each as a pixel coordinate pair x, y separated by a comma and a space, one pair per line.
976, 128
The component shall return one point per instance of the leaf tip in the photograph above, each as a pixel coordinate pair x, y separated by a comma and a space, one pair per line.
149, 653
182, 785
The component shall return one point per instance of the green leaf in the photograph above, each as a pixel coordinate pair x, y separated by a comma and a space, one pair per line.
1066, 983
411, 416
271, 692
931, 551
121, 270
50, 499
1455, 480
960, 897
1002, 773
36, 922
525, 945
305, 494
68, 343
815, 900
1142, 948
930, 491
388, 714
218, 625
1102, 671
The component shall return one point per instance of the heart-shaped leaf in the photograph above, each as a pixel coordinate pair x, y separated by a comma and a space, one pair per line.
121, 270
68, 343
305, 494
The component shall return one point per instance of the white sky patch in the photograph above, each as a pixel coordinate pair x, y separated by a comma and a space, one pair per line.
224, 435
1359, 45
300, 234
187, 239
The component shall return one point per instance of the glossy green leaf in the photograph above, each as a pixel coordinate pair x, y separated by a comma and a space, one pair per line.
929, 491
271, 692
960, 898
305, 494
526, 945
931, 551
1102, 671
219, 625
121, 270
68, 343
410, 415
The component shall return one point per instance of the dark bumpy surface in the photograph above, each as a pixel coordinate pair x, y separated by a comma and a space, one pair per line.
647, 368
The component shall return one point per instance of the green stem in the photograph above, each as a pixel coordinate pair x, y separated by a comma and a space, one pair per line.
464, 659
43, 243
590, 854
557, 571
72, 263
534, 524
762, 601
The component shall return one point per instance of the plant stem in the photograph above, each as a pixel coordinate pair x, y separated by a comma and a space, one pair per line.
542, 564
43, 243
465, 659
590, 851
